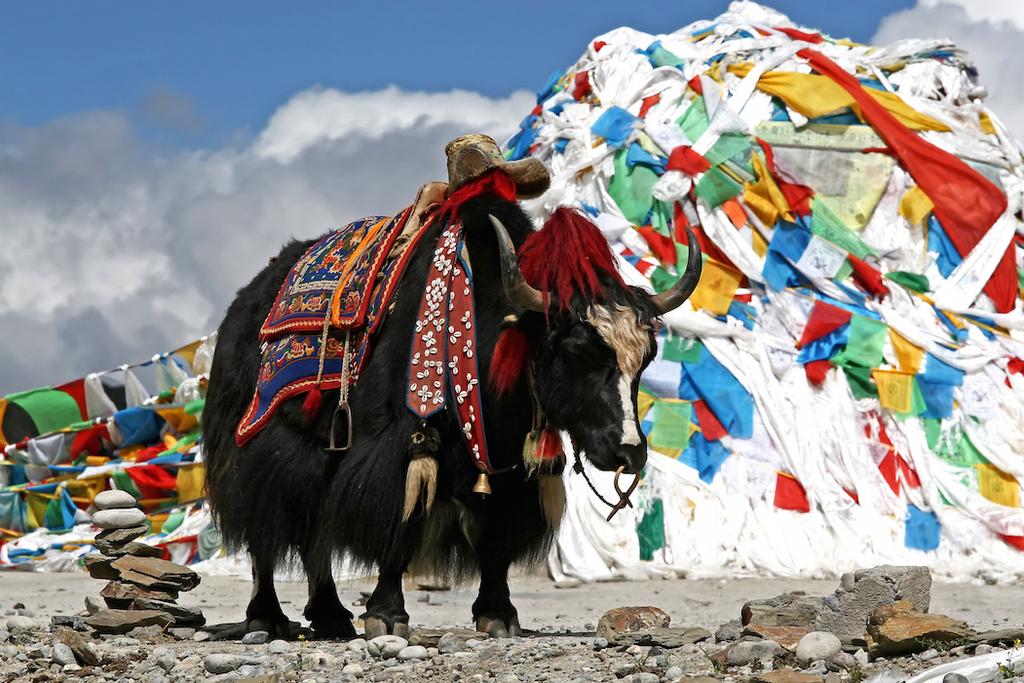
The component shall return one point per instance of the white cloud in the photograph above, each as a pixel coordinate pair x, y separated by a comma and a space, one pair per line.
317, 115
991, 31
113, 251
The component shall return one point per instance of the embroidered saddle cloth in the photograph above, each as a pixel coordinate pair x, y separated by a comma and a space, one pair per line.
341, 285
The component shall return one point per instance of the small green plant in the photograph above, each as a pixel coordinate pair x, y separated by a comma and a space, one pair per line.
943, 646
856, 674
299, 663
717, 665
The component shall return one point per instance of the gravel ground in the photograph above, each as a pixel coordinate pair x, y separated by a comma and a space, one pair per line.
561, 647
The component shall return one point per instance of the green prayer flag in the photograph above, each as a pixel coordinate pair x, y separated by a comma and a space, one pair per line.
662, 57
174, 520
715, 187
728, 146
661, 218
845, 271
631, 189
661, 279
864, 347
828, 226
859, 378
914, 281
125, 483
694, 120
956, 448
681, 349
196, 406
671, 421
651, 530
49, 409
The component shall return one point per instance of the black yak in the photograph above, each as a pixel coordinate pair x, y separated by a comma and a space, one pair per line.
573, 341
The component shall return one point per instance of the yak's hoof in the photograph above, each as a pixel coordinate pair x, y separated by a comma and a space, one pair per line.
378, 626
333, 629
278, 629
499, 627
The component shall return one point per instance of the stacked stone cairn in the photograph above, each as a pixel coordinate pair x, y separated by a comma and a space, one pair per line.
141, 586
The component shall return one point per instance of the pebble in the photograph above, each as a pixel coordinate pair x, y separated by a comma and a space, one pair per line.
929, 655
674, 672
818, 645
111, 499
644, 677
819, 667
352, 670
255, 638
62, 654
386, 647
278, 647
600, 643
222, 663
413, 652
862, 657
507, 677
955, 678
984, 649
119, 518
182, 632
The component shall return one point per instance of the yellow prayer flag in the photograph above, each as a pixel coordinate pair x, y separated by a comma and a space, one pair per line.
188, 351
909, 356
915, 205
895, 389
998, 486
717, 287
644, 401
764, 198
759, 243
813, 96
191, 481
986, 124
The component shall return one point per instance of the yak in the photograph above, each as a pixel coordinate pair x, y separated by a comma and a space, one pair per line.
558, 333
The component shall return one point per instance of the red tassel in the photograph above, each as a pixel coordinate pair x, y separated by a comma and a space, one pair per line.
311, 406
550, 445
511, 357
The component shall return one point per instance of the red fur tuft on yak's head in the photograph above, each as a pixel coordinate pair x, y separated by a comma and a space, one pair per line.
568, 257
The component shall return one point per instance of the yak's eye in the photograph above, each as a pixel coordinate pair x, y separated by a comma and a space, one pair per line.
579, 351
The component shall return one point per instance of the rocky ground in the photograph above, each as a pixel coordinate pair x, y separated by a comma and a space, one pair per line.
789, 636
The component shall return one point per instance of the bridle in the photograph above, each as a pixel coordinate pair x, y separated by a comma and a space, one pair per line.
623, 501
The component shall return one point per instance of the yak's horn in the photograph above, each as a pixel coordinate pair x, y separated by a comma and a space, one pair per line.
673, 298
518, 290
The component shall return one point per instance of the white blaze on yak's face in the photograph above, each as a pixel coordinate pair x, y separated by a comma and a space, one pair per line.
620, 329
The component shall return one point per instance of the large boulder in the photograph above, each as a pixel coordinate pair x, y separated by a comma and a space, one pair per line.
627, 619
900, 629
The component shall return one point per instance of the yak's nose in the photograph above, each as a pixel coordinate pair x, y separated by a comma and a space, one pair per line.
633, 457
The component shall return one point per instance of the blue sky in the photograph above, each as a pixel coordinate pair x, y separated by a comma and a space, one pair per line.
210, 70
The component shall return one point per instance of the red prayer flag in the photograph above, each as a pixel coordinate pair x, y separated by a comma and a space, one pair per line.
868, 277
649, 102
152, 481
684, 159
710, 427
824, 318
662, 247
790, 494
581, 85
965, 202
816, 371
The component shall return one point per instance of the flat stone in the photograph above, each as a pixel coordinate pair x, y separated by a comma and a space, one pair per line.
663, 637
99, 567
223, 663
122, 621
1005, 636
386, 647
124, 593
729, 631
182, 632
787, 676
83, 650
747, 651
787, 609
818, 645
155, 573
626, 619
183, 616
113, 498
119, 518
279, 647
899, 629
119, 537
786, 636
429, 637
133, 548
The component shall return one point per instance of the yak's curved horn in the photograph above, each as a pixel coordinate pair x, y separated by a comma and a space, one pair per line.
683, 288
518, 290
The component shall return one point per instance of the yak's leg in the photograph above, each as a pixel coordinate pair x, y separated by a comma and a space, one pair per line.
264, 612
385, 610
493, 611
327, 616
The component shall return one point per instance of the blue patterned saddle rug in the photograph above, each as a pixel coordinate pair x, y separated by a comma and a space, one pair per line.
341, 285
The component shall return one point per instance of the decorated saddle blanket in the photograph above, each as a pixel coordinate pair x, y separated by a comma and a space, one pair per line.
339, 287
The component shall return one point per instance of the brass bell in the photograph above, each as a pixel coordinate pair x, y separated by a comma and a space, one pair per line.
482, 486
